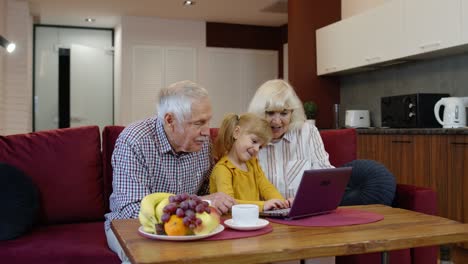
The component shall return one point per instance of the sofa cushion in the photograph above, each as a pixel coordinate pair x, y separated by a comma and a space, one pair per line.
19, 202
66, 166
340, 144
109, 136
370, 183
65, 243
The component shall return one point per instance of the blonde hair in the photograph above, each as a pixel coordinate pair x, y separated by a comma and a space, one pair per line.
278, 95
248, 122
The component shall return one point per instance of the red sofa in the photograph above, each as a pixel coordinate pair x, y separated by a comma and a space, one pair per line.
74, 178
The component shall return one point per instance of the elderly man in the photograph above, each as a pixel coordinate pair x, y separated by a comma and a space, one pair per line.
167, 153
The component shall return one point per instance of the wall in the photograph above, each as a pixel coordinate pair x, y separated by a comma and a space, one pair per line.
17, 72
353, 7
170, 50
304, 17
364, 90
2, 55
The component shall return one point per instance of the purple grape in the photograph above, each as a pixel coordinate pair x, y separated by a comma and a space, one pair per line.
186, 221
205, 203
184, 196
200, 208
172, 198
180, 212
189, 213
198, 221
165, 217
192, 226
208, 210
184, 205
192, 204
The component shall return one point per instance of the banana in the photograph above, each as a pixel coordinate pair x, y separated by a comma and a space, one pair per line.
147, 226
148, 208
159, 209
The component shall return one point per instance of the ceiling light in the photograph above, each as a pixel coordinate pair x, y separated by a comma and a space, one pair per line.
9, 46
189, 3
90, 20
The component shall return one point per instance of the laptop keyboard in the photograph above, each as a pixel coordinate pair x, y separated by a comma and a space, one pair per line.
277, 212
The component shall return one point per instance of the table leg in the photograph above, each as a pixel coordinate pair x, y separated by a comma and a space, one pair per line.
385, 258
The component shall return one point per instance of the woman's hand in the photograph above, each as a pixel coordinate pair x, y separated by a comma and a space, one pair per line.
275, 204
221, 201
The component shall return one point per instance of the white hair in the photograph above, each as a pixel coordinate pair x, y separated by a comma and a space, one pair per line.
278, 95
177, 99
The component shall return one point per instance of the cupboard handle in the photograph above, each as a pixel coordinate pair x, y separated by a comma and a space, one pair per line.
430, 45
373, 59
402, 141
459, 143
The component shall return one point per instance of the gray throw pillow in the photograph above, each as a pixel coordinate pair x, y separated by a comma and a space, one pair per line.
370, 183
19, 202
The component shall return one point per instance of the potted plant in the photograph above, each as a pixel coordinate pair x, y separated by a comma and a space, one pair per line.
310, 109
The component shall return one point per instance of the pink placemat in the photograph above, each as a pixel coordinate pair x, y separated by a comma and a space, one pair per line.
229, 233
340, 217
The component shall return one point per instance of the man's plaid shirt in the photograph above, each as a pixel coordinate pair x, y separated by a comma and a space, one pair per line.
144, 162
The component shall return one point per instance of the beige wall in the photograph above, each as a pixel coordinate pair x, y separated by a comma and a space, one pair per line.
16, 86
353, 7
2, 54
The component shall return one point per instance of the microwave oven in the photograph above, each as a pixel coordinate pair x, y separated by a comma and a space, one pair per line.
410, 110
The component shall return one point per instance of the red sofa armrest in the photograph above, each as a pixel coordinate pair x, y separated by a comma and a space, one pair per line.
414, 198
423, 200
109, 136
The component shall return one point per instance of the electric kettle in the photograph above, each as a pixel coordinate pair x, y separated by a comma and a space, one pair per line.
454, 111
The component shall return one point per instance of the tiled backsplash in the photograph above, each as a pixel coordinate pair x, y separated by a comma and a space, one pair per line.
364, 90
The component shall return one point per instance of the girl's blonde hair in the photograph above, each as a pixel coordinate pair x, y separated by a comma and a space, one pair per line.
248, 122
278, 95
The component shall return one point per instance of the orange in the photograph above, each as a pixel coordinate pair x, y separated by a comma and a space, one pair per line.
175, 226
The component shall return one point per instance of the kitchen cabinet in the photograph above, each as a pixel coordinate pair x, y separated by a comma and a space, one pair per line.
430, 25
364, 39
436, 161
406, 156
333, 49
394, 32
464, 19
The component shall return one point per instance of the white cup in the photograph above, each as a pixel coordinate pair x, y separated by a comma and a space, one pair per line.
245, 214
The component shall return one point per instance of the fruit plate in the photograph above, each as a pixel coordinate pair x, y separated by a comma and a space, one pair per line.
217, 230
261, 223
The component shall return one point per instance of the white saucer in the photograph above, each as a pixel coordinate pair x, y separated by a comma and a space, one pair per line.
261, 223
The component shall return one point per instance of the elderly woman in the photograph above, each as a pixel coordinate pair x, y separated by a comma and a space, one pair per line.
296, 144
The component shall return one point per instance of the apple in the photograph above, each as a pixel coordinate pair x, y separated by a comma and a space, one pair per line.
209, 222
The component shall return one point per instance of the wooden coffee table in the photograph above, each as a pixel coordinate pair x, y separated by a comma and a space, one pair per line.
400, 229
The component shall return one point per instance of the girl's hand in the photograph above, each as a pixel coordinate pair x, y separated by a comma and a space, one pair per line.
290, 201
275, 204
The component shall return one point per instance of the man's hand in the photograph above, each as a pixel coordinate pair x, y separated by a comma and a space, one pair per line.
220, 201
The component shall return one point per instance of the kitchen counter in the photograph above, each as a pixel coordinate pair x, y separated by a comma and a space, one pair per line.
413, 131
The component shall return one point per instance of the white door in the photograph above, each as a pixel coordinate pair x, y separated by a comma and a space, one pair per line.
91, 98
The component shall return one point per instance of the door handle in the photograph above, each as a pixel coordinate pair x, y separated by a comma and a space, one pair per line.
402, 141
459, 143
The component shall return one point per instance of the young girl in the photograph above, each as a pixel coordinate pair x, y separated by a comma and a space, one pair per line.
238, 172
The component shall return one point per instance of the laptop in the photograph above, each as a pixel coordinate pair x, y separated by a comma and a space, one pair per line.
320, 191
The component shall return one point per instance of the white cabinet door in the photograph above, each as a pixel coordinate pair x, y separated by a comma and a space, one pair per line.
333, 47
365, 39
431, 25
376, 34
464, 26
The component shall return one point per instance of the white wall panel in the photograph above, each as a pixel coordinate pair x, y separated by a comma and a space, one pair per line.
147, 80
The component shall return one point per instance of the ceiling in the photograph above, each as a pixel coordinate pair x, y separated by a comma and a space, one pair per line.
108, 12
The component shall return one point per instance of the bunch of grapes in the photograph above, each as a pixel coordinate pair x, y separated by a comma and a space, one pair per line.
185, 206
